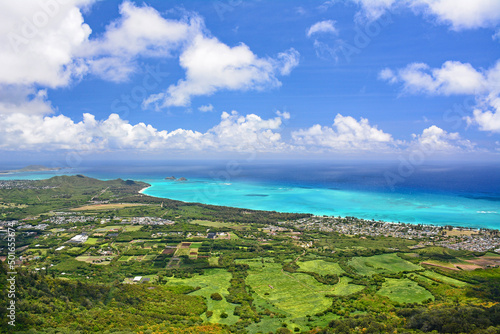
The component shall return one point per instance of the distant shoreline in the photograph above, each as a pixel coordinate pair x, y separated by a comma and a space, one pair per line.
453, 225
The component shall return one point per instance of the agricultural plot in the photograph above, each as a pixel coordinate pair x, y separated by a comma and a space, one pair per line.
381, 264
444, 279
100, 207
217, 224
92, 241
213, 280
404, 291
321, 267
295, 294
100, 260
109, 229
213, 261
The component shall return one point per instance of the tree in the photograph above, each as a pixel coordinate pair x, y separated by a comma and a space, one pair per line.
216, 296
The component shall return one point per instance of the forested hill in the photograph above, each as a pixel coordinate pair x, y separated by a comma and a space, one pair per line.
23, 198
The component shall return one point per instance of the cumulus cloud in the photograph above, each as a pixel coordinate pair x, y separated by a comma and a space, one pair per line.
455, 78
325, 27
39, 41
434, 139
372, 10
25, 100
452, 78
206, 108
346, 134
139, 31
234, 133
463, 14
211, 66
48, 44
458, 14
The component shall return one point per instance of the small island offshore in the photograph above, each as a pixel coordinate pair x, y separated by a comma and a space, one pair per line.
32, 168
173, 178
214, 269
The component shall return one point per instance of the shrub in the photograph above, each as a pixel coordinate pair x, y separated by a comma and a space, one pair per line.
216, 296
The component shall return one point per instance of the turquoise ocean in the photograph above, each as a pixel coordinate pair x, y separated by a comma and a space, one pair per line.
441, 194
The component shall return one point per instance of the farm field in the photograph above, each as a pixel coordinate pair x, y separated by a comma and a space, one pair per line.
321, 267
381, 264
295, 294
442, 278
216, 224
100, 260
212, 281
106, 206
404, 291
91, 241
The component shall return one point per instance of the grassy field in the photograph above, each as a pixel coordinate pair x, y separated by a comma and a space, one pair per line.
91, 259
321, 267
404, 291
294, 294
378, 264
216, 224
109, 228
214, 280
91, 241
100, 207
445, 279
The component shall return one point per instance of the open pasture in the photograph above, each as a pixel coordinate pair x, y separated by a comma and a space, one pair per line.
295, 294
217, 224
214, 280
321, 267
100, 207
444, 279
404, 291
381, 264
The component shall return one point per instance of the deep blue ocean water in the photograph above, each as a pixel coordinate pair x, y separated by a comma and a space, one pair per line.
442, 193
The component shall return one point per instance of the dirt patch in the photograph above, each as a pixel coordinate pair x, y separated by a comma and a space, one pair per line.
185, 244
168, 251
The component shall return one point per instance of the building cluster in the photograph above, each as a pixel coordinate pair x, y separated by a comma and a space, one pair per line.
146, 221
473, 243
40, 227
479, 240
66, 219
21, 184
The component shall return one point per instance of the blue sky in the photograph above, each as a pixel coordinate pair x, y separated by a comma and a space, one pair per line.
281, 79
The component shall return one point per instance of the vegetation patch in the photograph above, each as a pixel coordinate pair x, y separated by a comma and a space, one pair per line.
404, 291
211, 282
100, 207
321, 267
295, 294
444, 279
381, 264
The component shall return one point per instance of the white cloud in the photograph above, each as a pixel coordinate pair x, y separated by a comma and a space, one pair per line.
434, 139
458, 14
39, 40
452, 78
21, 99
138, 31
463, 14
233, 133
206, 108
325, 27
346, 134
455, 78
212, 66
372, 10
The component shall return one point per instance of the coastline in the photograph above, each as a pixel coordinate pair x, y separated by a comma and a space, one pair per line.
455, 227
143, 189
